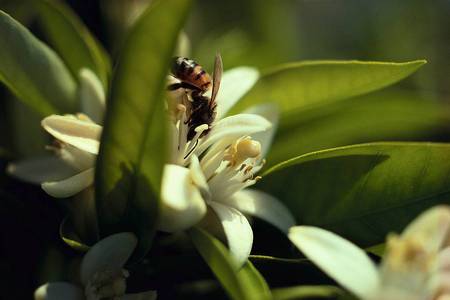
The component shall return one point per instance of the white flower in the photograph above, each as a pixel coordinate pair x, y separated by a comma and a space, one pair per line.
230, 156
102, 274
416, 265
76, 145
229, 159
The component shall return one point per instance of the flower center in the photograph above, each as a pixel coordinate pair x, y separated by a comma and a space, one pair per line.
106, 285
236, 166
181, 110
407, 268
408, 254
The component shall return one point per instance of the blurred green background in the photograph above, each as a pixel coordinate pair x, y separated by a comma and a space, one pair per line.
252, 32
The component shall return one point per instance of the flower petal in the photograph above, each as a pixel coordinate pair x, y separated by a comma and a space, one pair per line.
38, 170
78, 133
78, 159
149, 295
237, 230
231, 128
270, 112
182, 205
109, 254
263, 206
92, 95
432, 226
235, 84
197, 174
444, 260
58, 291
339, 258
70, 186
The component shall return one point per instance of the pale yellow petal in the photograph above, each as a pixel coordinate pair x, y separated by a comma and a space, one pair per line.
109, 254
340, 259
237, 230
84, 135
70, 186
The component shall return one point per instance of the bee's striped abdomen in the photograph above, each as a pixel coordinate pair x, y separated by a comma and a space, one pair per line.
189, 71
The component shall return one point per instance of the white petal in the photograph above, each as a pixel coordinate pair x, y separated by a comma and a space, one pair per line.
263, 206
58, 291
237, 230
231, 128
149, 295
78, 159
109, 254
38, 170
271, 113
339, 258
432, 226
235, 84
92, 95
70, 186
443, 283
182, 205
444, 260
78, 133
197, 174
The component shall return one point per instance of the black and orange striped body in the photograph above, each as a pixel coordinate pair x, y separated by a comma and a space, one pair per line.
190, 72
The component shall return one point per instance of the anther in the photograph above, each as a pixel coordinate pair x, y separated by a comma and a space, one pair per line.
248, 169
246, 148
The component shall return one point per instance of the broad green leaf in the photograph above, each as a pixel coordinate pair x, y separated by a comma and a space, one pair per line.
240, 284
24, 124
133, 146
73, 41
307, 292
363, 192
386, 115
32, 71
301, 85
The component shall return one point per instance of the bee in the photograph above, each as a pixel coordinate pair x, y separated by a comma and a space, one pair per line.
191, 74
194, 79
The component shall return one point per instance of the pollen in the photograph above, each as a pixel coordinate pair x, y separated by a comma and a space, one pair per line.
407, 253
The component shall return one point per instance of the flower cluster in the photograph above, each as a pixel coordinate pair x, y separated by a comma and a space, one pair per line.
207, 177
416, 265
206, 182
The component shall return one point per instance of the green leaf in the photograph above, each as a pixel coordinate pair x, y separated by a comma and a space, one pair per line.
73, 41
68, 235
240, 284
307, 292
301, 85
386, 115
363, 192
378, 249
133, 145
32, 71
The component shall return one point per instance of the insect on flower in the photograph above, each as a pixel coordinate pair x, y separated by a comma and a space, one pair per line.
196, 82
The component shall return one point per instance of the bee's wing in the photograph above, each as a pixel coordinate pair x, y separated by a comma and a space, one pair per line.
217, 76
